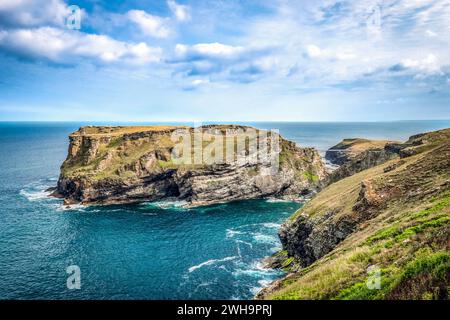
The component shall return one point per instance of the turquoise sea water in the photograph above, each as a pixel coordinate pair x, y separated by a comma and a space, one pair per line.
145, 251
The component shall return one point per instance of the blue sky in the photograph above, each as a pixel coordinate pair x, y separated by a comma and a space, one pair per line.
217, 60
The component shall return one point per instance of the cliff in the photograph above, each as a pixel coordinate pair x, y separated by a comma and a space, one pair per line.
356, 155
389, 224
349, 149
133, 164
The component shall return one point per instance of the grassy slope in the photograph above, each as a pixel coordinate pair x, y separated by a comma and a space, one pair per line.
356, 146
409, 239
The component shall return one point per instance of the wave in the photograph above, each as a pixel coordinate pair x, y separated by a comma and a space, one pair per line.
257, 269
210, 262
37, 190
271, 225
230, 233
261, 285
72, 207
165, 204
245, 242
35, 195
276, 200
265, 238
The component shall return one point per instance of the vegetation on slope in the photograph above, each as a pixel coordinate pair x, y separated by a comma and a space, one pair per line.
401, 216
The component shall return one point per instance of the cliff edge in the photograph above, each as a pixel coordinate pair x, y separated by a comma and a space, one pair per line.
382, 233
205, 165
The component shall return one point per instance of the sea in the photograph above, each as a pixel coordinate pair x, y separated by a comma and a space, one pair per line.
156, 250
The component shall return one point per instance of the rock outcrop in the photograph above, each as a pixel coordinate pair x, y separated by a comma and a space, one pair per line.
356, 155
350, 149
395, 216
133, 164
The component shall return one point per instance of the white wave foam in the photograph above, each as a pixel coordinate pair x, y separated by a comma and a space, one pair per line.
256, 269
261, 224
255, 290
262, 284
275, 200
230, 233
245, 242
166, 204
37, 190
271, 225
35, 195
265, 238
210, 262
72, 207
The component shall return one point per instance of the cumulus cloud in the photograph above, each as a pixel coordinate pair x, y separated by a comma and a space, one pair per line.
149, 24
207, 51
336, 45
181, 12
32, 13
196, 84
36, 30
323, 43
67, 46
420, 67
226, 62
313, 51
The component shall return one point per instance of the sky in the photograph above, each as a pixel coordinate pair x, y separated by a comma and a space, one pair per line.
217, 60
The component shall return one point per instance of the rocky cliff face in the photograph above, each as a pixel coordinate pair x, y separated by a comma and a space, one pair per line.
356, 155
135, 164
349, 149
394, 216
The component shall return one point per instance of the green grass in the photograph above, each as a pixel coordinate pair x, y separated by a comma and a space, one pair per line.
407, 271
406, 237
362, 291
166, 164
310, 176
417, 222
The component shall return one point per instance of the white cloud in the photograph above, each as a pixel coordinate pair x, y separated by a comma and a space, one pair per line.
207, 51
313, 51
334, 47
427, 66
150, 25
431, 33
32, 13
221, 62
35, 29
66, 46
181, 12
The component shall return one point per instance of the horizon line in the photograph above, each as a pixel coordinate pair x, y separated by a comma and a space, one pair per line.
221, 121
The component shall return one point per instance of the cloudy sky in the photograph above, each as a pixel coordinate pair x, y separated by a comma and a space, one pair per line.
243, 60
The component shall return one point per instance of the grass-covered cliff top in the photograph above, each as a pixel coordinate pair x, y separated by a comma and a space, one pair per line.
119, 130
359, 145
122, 152
405, 236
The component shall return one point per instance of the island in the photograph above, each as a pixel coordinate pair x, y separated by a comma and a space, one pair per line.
130, 164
